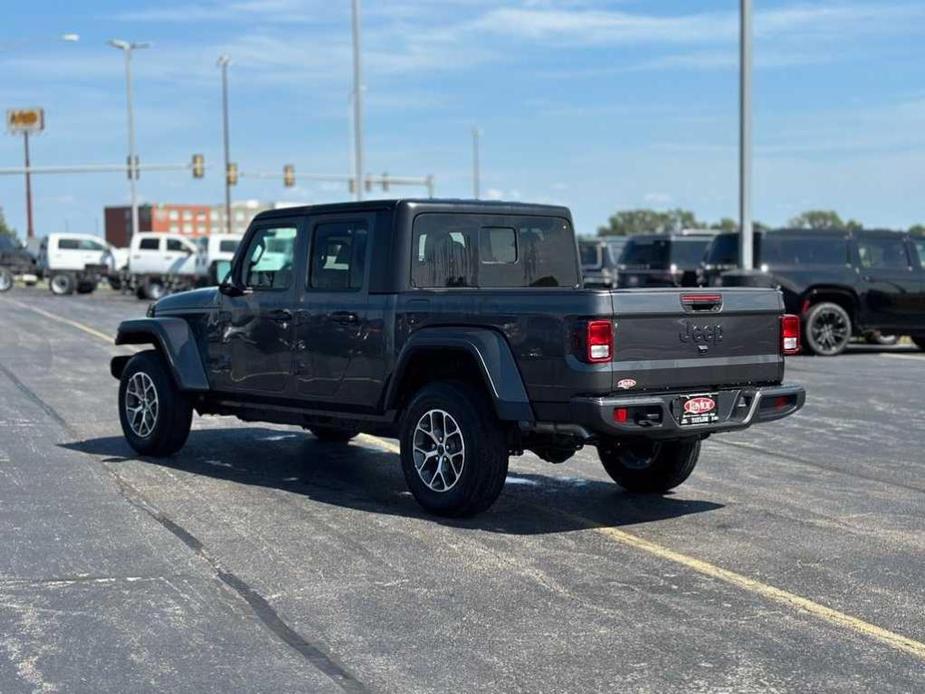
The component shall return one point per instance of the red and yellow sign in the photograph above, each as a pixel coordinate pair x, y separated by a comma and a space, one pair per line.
25, 120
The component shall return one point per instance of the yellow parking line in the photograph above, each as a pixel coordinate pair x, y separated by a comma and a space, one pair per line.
796, 602
67, 321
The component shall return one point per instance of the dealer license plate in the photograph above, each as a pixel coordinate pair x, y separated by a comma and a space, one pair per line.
698, 409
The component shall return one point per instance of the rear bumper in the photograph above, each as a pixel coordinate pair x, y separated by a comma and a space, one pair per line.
657, 416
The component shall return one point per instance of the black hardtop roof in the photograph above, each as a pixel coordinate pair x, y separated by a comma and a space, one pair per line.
820, 232
421, 204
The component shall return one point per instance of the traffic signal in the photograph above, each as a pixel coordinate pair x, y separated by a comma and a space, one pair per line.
199, 166
385, 182
231, 175
289, 175
130, 170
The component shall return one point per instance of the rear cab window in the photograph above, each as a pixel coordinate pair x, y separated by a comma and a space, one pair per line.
502, 251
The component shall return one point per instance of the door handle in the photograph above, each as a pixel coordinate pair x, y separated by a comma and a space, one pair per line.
344, 317
281, 315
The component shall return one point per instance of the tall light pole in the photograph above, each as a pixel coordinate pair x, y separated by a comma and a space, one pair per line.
357, 104
476, 173
127, 48
223, 62
746, 238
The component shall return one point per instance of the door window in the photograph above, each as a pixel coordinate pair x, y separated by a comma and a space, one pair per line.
338, 259
148, 244
920, 247
176, 245
268, 262
883, 253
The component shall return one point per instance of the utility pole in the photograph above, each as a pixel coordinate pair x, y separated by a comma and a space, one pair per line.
476, 174
746, 236
30, 230
223, 62
127, 49
357, 104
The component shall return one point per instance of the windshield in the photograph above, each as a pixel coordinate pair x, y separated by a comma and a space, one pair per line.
724, 250
8, 243
590, 254
651, 253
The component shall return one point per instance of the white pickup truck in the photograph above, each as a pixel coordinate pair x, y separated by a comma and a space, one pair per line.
213, 257
74, 262
159, 263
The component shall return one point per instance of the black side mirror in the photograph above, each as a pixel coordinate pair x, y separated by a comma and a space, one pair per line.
230, 288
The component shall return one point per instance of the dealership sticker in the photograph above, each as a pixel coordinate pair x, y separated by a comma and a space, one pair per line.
626, 383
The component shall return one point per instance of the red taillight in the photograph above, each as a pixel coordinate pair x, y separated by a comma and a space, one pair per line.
620, 415
789, 334
599, 341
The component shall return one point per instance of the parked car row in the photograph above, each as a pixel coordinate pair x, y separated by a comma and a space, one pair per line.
843, 284
153, 265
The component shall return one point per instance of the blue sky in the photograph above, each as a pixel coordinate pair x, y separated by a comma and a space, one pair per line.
598, 105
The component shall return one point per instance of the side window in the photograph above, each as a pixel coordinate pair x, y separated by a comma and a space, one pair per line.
338, 258
920, 247
68, 244
883, 253
177, 246
443, 254
90, 245
148, 244
268, 262
498, 245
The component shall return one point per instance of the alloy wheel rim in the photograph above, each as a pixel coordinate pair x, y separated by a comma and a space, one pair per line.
439, 450
59, 283
5, 281
830, 330
141, 404
639, 456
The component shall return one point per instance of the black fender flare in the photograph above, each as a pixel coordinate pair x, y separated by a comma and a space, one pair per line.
492, 355
175, 341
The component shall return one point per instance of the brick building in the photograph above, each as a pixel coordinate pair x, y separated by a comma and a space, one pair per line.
189, 220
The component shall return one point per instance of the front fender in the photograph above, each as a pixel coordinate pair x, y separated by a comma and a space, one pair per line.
491, 353
175, 341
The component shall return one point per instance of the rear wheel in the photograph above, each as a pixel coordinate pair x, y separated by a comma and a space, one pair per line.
453, 450
155, 414
649, 467
6, 280
153, 289
86, 287
332, 434
827, 329
62, 284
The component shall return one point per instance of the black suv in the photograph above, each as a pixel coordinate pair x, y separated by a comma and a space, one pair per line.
15, 261
843, 284
661, 260
462, 329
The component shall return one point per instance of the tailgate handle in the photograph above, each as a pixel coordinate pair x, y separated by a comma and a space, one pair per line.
702, 302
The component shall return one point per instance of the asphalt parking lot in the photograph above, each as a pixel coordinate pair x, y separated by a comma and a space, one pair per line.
258, 559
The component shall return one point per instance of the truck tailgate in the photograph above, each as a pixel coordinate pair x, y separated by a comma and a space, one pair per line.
696, 339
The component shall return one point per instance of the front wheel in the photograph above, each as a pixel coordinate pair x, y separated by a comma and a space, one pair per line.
6, 280
453, 450
86, 287
827, 329
155, 414
153, 289
649, 467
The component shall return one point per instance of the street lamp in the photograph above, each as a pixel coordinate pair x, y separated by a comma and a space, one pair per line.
223, 62
746, 237
127, 48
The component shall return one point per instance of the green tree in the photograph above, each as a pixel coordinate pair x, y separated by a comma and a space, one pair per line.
644, 221
917, 230
727, 224
5, 229
823, 219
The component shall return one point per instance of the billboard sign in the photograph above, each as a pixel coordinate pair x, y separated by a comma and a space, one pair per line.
25, 120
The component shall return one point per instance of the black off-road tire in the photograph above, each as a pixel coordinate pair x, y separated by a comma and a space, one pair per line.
826, 329
86, 287
484, 469
649, 467
62, 283
332, 434
174, 416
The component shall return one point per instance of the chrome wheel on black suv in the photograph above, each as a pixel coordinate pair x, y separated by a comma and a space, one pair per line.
827, 329
453, 451
155, 416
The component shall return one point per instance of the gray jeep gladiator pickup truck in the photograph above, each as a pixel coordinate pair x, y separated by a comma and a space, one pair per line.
462, 329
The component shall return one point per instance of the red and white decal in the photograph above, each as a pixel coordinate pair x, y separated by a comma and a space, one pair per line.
699, 405
626, 383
